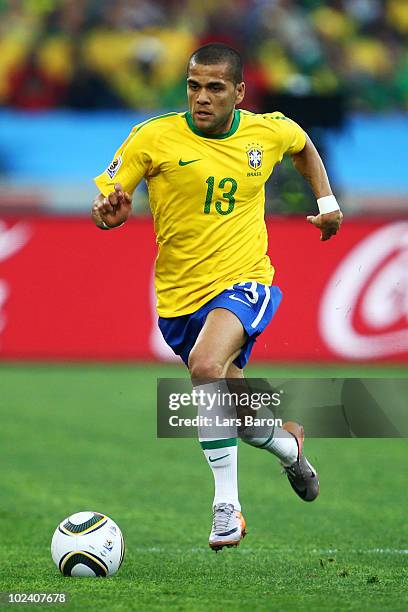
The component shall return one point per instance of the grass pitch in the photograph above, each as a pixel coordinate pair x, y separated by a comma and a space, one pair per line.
83, 437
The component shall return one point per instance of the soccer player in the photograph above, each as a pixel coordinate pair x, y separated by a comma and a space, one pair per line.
205, 170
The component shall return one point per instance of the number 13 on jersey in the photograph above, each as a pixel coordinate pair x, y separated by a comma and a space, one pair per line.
226, 206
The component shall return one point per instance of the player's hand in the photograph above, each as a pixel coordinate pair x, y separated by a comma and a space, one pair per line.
328, 223
114, 209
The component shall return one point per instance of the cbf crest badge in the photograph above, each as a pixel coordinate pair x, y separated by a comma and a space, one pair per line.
255, 156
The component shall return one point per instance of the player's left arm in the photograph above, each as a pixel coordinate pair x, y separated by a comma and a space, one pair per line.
309, 164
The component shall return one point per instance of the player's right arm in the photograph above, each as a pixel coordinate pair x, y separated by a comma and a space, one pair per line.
133, 161
113, 210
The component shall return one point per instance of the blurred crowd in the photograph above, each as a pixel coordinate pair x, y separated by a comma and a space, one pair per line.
132, 53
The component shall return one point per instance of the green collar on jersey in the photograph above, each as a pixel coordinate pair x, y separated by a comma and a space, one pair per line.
231, 131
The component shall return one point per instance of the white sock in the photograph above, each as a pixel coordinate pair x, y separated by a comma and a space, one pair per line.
274, 439
283, 444
221, 452
279, 442
223, 463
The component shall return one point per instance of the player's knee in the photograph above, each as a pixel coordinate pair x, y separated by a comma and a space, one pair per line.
203, 367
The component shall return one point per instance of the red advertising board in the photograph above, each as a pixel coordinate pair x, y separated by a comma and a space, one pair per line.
70, 291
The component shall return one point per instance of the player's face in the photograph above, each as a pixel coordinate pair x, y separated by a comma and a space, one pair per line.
212, 96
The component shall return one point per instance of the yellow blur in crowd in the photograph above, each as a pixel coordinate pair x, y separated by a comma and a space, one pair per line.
134, 52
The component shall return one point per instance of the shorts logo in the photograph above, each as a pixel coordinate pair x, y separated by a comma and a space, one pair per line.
114, 167
255, 158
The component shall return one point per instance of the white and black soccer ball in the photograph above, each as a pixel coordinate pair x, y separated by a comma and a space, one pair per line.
88, 544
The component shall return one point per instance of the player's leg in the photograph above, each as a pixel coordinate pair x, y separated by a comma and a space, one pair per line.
219, 342
284, 442
273, 439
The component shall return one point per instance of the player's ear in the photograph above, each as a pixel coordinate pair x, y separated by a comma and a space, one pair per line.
239, 92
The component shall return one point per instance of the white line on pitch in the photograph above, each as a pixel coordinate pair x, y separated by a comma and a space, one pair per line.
281, 551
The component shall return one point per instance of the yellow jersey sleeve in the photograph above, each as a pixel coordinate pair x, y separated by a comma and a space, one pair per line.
291, 135
134, 160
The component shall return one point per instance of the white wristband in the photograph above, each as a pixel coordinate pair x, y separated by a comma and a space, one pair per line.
327, 204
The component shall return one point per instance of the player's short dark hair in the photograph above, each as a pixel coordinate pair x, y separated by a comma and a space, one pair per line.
218, 53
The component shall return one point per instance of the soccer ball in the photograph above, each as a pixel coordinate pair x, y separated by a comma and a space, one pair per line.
87, 544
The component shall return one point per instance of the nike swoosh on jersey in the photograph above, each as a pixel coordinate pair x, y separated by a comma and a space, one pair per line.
217, 458
233, 297
185, 163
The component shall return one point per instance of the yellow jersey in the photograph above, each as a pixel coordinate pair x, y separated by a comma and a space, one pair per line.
207, 198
